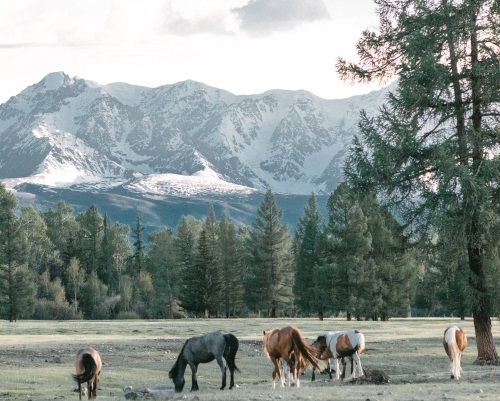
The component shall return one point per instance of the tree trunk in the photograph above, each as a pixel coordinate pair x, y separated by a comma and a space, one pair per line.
320, 314
481, 310
349, 316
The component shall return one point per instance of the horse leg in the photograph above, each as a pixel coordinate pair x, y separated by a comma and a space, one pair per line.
329, 367
194, 379
344, 364
223, 371
359, 368
276, 371
336, 364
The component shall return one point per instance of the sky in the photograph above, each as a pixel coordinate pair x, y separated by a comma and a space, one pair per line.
243, 46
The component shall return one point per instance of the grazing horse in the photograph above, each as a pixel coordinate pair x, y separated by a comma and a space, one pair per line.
341, 344
88, 368
203, 349
288, 343
454, 342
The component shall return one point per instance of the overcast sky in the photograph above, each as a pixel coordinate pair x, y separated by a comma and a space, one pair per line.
243, 46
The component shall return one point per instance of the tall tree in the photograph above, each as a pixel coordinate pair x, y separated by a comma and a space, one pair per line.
350, 245
432, 150
12, 256
202, 289
89, 238
307, 257
75, 277
269, 284
231, 266
161, 264
138, 258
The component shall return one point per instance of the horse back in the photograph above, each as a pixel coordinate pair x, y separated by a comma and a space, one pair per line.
461, 339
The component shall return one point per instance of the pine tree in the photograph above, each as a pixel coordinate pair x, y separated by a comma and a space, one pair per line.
307, 258
164, 271
12, 257
430, 151
231, 265
270, 280
202, 284
89, 238
138, 257
350, 245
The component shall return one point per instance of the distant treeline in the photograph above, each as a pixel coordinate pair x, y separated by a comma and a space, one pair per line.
358, 262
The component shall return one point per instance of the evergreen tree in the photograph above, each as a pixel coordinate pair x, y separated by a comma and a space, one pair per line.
270, 279
164, 271
12, 257
61, 227
203, 283
307, 259
89, 238
430, 151
350, 246
185, 246
138, 258
231, 263
115, 251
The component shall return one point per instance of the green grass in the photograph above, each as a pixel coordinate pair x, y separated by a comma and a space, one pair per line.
140, 354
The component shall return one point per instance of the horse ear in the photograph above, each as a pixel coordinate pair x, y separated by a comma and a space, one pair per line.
264, 332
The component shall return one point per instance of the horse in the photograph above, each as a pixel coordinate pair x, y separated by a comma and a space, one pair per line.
288, 343
88, 368
204, 349
341, 344
454, 342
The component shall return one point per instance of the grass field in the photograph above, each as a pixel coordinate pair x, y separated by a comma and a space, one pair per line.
37, 359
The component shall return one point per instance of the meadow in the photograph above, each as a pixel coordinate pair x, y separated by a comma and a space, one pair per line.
37, 360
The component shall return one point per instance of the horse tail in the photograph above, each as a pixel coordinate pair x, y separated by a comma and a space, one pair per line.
301, 346
454, 342
175, 369
232, 345
89, 369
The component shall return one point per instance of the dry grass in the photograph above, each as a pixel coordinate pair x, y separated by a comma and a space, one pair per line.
37, 357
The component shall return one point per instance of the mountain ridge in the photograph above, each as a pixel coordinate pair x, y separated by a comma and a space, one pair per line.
185, 139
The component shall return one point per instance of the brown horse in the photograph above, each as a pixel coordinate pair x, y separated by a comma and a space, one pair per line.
88, 368
338, 345
288, 343
454, 341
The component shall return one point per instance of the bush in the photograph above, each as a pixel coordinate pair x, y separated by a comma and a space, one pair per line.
51, 310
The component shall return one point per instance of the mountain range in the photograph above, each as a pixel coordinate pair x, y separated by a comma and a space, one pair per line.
175, 149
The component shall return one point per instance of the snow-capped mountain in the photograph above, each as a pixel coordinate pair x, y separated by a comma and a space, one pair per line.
185, 140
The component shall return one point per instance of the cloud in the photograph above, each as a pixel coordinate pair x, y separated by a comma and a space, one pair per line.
263, 17
188, 18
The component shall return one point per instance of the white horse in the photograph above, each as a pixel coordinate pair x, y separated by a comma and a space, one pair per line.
454, 341
341, 344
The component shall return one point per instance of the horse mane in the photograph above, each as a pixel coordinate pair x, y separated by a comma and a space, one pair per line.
175, 369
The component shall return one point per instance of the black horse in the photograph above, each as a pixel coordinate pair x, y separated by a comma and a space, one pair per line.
203, 349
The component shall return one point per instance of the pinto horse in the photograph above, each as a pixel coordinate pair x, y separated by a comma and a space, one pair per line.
288, 343
454, 341
203, 349
88, 368
338, 345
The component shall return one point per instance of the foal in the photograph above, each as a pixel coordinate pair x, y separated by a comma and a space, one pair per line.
88, 368
454, 341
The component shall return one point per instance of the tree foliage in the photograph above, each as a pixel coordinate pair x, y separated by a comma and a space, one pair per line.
432, 151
